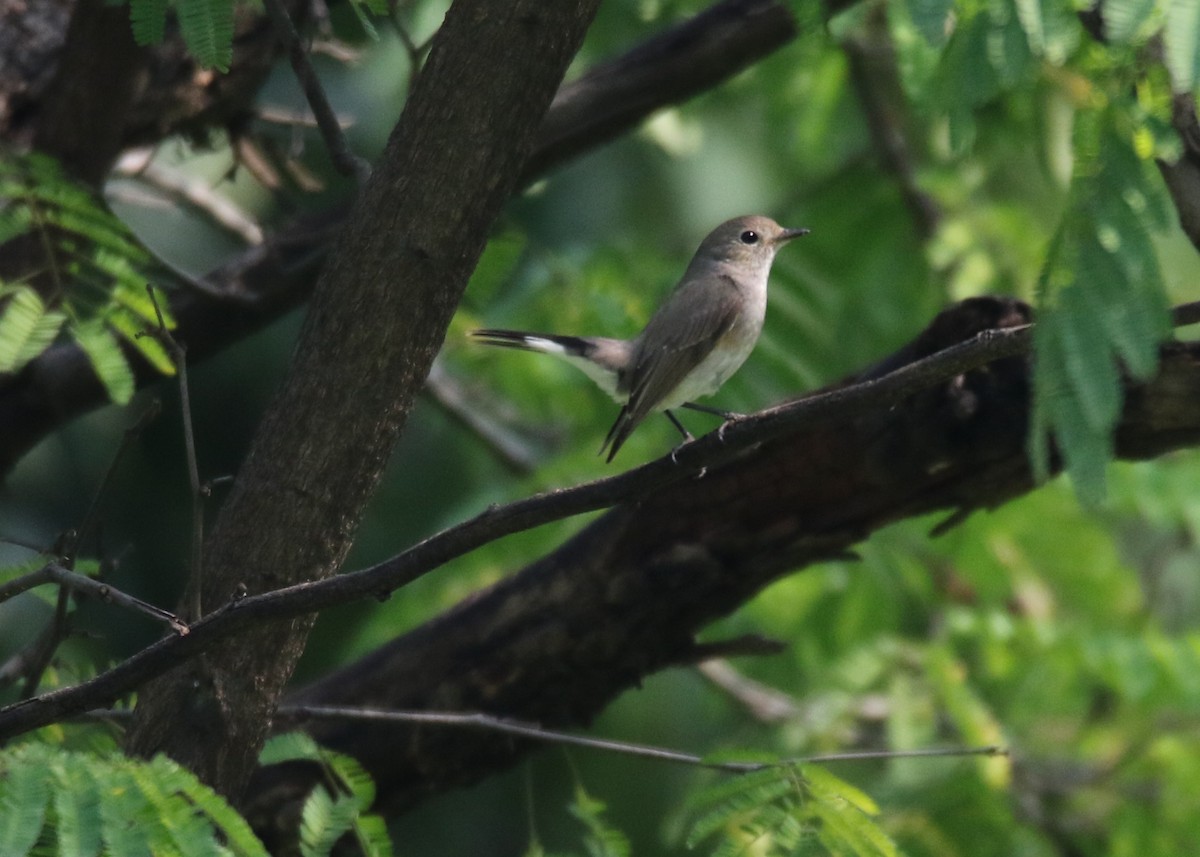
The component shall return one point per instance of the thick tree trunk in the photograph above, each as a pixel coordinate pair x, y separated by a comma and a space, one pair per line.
376, 320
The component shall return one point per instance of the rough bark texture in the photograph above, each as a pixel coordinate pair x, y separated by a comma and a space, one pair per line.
376, 320
557, 641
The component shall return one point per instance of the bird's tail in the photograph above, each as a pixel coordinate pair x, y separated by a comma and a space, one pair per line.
619, 433
546, 343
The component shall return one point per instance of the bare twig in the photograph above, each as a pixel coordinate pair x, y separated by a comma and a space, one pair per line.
511, 449
55, 573
476, 720
179, 358
48, 643
872, 61
346, 162
764, 703
196, 193
1185, 314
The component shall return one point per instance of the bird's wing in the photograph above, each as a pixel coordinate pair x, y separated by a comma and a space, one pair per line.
681, 335
683, 332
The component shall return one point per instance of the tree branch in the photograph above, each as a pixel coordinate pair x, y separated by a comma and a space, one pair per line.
344, 160
740, 438
775, 505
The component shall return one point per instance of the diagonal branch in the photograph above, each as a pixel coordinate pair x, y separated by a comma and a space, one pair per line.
785, 446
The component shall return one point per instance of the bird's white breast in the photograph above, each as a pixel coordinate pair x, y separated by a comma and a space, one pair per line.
726, 357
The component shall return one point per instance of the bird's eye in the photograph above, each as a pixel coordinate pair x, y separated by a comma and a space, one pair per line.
749, 237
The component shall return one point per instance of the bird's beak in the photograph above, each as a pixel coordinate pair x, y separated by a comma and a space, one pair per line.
789, 234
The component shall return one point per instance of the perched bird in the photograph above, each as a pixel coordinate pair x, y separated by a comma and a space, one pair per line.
700, 336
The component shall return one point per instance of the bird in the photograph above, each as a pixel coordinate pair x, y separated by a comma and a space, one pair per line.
701, 334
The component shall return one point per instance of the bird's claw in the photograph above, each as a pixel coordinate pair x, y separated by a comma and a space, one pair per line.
729, 418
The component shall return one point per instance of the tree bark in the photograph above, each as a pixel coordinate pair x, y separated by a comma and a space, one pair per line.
376, 320
557, 641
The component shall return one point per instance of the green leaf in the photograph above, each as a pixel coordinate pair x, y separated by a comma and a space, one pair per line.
931, 19
207, 27
363, 20
602, 840
149, 19
133, 330
1181, 41
106, 357
1103, 305
26, 329
1129, 20
323, 821
77, 807
290, 746
24, 792
1051, 28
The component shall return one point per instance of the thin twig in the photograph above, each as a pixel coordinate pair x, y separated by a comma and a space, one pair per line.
415, 52
765, 703
54, 573
509, 448
346, 162
875, 77
179, 357
60, 628
198, 194
486, 722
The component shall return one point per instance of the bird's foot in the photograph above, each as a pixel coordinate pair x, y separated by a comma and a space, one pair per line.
729, 419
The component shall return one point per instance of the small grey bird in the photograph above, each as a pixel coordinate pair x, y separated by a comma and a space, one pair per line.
700, 336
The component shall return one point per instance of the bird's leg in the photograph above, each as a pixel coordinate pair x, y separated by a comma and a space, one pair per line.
728, 416
687, 435
717, 412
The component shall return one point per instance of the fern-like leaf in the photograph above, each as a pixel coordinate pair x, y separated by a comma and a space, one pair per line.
107, 361
1103, 307
77, 807
325, 818
149, 19
26, 327
780, 810
107, 803
602, 840
24, 793
207, 27
99, 276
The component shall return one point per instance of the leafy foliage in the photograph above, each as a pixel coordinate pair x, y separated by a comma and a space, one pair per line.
326, 817
1069, 636
1102, 307
55, 801
602, 839
90, 272
784, 809
1102, 300
206, 26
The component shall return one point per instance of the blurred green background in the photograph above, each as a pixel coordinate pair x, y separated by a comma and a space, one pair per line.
1069, 635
